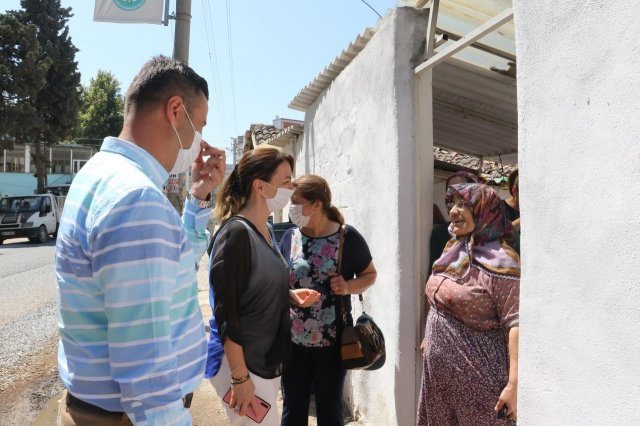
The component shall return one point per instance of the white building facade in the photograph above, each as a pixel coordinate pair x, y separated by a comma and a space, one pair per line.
372, 119
578, 85
362, 141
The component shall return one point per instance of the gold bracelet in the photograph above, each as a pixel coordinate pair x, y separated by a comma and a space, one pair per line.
239, 380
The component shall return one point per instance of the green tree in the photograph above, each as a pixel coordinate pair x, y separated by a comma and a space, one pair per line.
58, 102
102, 108
23, 72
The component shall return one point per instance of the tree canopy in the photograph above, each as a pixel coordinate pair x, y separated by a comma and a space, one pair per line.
101, 113
23, 72
40, 79
59, 101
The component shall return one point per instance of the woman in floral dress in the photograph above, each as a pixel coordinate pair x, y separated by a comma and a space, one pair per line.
471, 338
311, 250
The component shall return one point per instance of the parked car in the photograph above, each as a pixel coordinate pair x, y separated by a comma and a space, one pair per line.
31, 216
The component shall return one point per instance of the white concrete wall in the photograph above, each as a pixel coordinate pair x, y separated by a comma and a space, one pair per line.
579, 109
359, 136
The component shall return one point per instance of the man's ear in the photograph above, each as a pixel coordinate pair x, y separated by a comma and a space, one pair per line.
173, 106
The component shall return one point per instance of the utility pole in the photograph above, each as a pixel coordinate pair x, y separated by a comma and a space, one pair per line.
183, 29
234, 143
181, 53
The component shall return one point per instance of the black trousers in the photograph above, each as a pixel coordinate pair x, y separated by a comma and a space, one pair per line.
320, 368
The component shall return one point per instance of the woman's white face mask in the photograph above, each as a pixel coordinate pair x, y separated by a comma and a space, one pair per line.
297, 217
282, 197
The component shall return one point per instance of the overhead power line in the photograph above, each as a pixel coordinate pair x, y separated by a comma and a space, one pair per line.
375, 11
233, 84
213, 62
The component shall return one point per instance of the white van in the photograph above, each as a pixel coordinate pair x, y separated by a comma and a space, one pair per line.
30, 216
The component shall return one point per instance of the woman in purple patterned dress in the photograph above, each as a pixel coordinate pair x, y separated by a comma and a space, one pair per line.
471, 339
312, 252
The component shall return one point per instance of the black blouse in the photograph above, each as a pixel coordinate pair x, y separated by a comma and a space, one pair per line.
251, 296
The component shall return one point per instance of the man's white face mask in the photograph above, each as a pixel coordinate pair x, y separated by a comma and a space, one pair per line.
187, 156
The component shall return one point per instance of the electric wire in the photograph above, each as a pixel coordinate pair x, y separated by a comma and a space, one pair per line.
233, 85
375, 11
213, 84
213, 64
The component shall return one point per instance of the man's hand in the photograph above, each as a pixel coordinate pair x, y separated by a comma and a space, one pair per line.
207, 175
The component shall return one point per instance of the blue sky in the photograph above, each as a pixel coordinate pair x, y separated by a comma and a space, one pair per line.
278, 47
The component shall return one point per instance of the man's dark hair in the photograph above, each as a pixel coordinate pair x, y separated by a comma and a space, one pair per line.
161, 78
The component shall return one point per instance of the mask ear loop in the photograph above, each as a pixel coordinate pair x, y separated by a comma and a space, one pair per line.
188, 117
178, 136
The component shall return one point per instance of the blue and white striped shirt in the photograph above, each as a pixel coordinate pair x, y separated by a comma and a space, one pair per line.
132, 336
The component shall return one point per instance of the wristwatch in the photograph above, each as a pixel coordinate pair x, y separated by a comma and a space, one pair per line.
207, 204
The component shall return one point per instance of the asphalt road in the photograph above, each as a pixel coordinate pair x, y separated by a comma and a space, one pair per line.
28, 331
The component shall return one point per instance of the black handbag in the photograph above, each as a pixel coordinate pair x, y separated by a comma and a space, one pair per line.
362, 344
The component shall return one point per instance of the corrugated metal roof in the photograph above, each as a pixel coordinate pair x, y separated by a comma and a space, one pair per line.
310, 93
474, 110
474, 107
460, 17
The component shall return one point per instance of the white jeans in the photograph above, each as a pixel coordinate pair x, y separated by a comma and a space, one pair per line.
266, 389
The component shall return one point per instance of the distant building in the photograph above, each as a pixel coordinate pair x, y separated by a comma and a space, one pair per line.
17, 166
283, 133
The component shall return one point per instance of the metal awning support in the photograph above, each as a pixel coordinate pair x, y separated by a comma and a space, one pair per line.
431, 28
480, 46
472, 37
440, 40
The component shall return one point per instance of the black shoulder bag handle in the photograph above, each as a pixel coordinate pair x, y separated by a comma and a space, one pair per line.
361, 345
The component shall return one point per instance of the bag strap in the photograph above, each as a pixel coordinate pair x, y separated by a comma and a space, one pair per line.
340, 249
339, 271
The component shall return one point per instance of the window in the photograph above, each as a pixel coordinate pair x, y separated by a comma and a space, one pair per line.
60, 160
77, 165
15, 160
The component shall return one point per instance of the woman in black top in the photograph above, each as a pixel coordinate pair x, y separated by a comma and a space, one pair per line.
311, 250
249, 291
512, 205
512, 208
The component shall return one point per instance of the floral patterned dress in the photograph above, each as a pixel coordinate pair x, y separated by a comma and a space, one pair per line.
312, 259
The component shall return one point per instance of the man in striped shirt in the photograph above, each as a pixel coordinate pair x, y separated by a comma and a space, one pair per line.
132, 341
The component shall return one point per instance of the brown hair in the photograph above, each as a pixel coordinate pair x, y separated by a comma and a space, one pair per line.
316, 188
255, 164
513, 181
